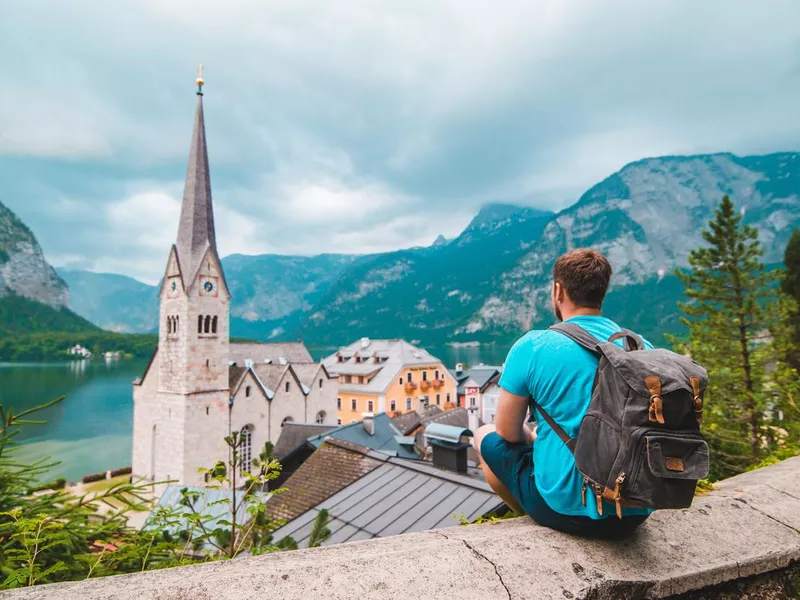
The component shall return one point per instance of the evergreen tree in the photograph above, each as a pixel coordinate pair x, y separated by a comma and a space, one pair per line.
319, 532
790, 286
727, 290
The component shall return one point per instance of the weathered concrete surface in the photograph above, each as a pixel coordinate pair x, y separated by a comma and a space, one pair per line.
748, 527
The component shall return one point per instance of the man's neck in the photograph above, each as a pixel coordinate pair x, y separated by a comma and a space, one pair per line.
583, 312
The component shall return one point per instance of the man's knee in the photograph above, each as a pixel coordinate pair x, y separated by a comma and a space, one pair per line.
478, 436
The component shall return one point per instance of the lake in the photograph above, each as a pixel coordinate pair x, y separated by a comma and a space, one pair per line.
90, 431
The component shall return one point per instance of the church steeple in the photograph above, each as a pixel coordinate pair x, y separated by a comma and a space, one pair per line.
196, 229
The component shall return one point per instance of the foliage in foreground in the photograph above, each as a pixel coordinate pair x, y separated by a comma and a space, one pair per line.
51, 535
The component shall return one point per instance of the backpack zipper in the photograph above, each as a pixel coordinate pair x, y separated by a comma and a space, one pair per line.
617, 493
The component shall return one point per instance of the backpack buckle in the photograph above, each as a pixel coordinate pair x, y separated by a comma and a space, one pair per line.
656, 412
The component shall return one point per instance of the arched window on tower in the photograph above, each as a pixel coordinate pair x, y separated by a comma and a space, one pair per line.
320, 419
175, 323
214, 325
207, 327
246, 449
200, 324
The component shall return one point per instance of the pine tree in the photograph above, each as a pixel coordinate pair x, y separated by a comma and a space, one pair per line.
727, 290
790, 286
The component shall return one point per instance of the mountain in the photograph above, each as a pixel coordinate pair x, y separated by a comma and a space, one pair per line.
24, 271
114, 302
492, 282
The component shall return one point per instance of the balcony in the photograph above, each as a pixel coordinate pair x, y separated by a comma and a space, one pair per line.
425, 385
438, 383
410, 386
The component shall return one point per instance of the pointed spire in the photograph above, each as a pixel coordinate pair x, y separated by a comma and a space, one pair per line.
196, 229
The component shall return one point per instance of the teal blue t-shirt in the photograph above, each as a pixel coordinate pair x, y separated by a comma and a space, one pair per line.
558, 373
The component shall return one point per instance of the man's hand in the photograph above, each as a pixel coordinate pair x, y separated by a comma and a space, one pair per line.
510, 418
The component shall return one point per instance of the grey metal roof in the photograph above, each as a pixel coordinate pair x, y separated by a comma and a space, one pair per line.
446, 433
196, 228
384, 439
292, 352
400, 496
481, 375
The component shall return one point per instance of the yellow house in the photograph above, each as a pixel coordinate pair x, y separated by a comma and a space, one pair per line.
389, 376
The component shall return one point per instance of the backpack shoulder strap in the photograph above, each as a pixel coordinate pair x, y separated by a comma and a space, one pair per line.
578, 335
568, 441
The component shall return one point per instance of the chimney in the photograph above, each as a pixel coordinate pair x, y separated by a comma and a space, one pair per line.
472, 418
368, 423
459, 367
452, 457
364, 343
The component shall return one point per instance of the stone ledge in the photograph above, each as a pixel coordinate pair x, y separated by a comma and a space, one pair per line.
748, 527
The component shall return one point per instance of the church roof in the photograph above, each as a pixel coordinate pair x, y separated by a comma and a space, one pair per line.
196, 229
291, 352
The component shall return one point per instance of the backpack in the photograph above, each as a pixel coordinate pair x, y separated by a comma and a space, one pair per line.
639, 444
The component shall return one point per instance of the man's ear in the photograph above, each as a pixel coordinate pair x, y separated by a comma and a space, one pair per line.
558, 292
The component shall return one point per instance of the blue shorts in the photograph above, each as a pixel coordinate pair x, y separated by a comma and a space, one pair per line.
512, 464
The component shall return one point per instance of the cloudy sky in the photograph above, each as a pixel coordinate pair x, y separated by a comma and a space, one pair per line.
359, 126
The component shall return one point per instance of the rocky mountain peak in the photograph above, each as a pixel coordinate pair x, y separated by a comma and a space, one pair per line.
23, 268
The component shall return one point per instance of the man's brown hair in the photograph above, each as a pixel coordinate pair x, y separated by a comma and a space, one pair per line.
584, 273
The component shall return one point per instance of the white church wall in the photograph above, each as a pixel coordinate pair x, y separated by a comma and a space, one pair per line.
286, 404
322, 399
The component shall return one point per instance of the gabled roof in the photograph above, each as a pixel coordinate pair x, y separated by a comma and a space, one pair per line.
294, 435
395, 496
409, 421
481, 375
268, 377
457, 417
331, 468
292, 352
384, 439
394, 355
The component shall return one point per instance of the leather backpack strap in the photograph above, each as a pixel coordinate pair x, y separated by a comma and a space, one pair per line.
632, 340
568, 441
578, 335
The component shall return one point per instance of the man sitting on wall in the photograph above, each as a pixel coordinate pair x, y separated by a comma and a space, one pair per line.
535, 473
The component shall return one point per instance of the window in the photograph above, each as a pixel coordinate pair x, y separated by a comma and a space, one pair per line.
287, 386
408, 403
339, 403
206, 411
338, 421
245, 448
247, 392
393, 405
320, 384
410, 378
360, 380
436, 374
353, 404
207, 324
472, 401
286, 420
438, 399
348, 379
320, 419
207, 363
200, 324
424, 376
214, 325
370, 406
447, 397
401, 381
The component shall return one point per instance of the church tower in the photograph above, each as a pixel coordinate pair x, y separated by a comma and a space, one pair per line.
181, 404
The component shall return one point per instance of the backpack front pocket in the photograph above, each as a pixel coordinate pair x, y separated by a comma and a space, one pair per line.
666, 468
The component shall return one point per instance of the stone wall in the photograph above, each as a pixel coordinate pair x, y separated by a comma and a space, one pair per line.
746, 532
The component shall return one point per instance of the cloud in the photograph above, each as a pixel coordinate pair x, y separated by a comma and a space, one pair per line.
356, 126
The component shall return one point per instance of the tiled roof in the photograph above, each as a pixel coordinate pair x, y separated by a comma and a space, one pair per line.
409, 421
397, 496
457, 417
293, 352
398, 354
235, 375
307, 372
384, 439
293, 435
269, 376
330, 469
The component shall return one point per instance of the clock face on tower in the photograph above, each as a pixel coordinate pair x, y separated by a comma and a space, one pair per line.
172, 287
208, 286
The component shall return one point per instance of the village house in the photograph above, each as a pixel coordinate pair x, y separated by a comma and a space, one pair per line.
478, 392
199, 386
388, 376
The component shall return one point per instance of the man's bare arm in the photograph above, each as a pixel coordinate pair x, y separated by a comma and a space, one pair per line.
510, 418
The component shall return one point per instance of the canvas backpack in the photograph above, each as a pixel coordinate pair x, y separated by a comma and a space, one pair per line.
639, 444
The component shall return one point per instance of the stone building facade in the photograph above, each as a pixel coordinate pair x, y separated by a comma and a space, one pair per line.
199, 387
